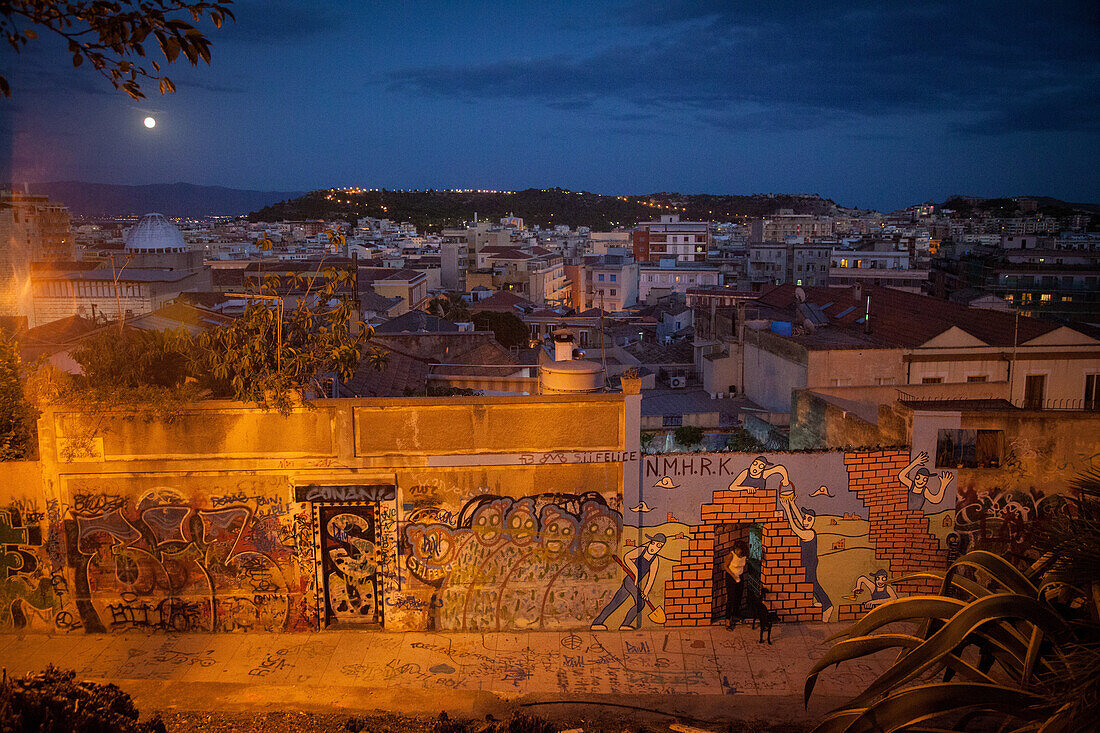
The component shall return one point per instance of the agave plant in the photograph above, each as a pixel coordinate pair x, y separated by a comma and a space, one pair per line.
997, 649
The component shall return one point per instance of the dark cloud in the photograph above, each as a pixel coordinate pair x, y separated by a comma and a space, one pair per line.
283, 21
800, 66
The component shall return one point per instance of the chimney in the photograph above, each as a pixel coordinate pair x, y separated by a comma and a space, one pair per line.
857, 289
563, 345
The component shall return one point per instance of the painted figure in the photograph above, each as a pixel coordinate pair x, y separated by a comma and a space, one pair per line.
919, 489
734, 568
880, 590
802, 523
641, 564
756, 475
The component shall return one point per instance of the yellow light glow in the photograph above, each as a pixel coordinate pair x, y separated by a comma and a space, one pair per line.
150, 122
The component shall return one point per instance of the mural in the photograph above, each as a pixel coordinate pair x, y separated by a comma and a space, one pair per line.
27, 588
535, 562
820, 524
474, 548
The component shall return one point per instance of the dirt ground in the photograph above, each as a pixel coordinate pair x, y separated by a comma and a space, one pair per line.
607, 722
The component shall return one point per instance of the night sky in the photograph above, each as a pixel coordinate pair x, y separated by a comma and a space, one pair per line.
872, 104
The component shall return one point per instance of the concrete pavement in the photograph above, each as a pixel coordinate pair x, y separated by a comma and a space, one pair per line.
708, 674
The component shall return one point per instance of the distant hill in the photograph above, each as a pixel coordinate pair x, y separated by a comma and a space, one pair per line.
1010, 206
432, 210
170, 199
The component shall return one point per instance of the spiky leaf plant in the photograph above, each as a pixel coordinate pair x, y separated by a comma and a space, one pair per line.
996, 649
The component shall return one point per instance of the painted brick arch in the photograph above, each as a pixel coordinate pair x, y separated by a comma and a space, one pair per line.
899, 535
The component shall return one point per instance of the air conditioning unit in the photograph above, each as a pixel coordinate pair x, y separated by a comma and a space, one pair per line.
677, 382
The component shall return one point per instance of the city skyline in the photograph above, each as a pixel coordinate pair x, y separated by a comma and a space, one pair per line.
869, 107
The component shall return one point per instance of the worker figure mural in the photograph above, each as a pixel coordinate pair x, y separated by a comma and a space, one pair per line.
640, 566
822, 519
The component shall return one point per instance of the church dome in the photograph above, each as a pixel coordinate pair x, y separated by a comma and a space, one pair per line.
154, 233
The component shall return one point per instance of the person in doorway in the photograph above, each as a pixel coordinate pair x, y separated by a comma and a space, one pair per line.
734, 567
802, 524
641, 564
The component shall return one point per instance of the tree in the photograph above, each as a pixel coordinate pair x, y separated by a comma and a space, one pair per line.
270, 354
743, 441
450, 306
111, 34
1025, 646
508, 329
134, 358
16, 415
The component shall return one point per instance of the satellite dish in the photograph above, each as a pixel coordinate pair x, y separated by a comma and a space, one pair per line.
800, 295
808, 325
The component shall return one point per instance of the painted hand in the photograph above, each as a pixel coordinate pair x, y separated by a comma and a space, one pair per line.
922, 458
945, 477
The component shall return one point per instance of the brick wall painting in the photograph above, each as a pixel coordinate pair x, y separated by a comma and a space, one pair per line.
829, 525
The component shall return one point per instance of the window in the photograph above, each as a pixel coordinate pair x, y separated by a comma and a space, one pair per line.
600, 277
931, 380
612, 278
1092, 391
978, 378
612, 292
969, 448
1034, 391
672, 421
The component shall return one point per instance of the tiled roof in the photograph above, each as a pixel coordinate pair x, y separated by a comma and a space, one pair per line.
55, 333
416, 321
501, 301
180, 315
901, 319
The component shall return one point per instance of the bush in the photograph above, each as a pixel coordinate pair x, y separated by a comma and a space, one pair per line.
54, 702
1025, 646
689, 435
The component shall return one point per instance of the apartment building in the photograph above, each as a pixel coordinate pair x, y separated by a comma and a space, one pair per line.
674, 276
608, 281
687, 241
32, 228
800, 226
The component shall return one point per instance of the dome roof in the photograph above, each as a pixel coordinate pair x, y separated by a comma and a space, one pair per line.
154, 232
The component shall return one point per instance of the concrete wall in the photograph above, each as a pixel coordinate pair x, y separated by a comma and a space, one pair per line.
468, 514
400, 513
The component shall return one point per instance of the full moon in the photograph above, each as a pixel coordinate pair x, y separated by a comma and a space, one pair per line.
150, 122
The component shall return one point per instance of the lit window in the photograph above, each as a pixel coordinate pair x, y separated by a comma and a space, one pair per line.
1045, 297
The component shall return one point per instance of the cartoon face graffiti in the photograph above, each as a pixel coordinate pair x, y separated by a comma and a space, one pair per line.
920, 478
488, 522
559, 532
521, 525
756, 468
879, 577
599, 536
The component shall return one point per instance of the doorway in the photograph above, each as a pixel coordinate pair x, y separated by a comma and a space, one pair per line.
350, 564
725, 536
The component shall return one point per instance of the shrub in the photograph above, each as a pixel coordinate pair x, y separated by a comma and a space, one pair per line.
689, 435
54, 702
